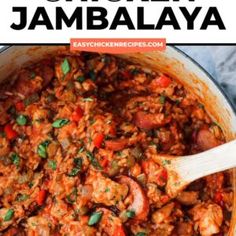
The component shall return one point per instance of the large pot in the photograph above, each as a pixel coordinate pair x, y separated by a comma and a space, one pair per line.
172, 62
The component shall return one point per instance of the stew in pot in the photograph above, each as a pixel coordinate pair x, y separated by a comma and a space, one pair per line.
77, 136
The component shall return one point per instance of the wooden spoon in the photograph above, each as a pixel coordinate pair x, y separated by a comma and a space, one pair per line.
185, 169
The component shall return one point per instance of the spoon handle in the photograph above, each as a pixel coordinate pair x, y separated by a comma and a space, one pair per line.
209, 162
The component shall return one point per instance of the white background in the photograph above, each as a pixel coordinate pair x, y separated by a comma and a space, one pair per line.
227, 9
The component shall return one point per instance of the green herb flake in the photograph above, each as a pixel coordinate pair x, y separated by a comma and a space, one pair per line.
52, 164
134, 71
74, 172
78, 163
21, 120
92, 75
22, 197
201, 106
65, 66
162, 99
87, 99
31, 184
130, 214
119, 153
215, 124
15, 159
140, 234
95, 218
166, 162
72, 197
177, 102
81, 150
42, 149
9, 215
93, 160
32, 75
91, 121
107, 190
81, 79
60, 123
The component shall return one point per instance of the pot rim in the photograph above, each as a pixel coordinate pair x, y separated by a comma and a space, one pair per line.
210, 77
225, 95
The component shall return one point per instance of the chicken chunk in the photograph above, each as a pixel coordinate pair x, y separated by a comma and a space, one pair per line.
162, 214
106, 191
209, 218
110, 224
184, 229
188, 198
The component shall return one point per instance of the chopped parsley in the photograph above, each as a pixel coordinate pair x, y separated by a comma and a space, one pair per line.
32, 75
81, 79
166, 162
22, 197
9, 215
74, 172
21, 120
71, 198
107, 190
93, 160
95, 218
65, 66
60, 123
92, 75
162, 99
140, 234
15, 159
42, 149
130, 213
88, 99
52, 164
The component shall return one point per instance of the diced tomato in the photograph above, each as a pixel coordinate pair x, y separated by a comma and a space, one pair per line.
126, 74
56, 234
104, 162
145, 165
12, 232
10, 132
41, 197
164, 199
84, 220
119, 231
20, 106
77, 114
162, 177
98, 140
112, 130
163, 81
218, 197
116, 145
